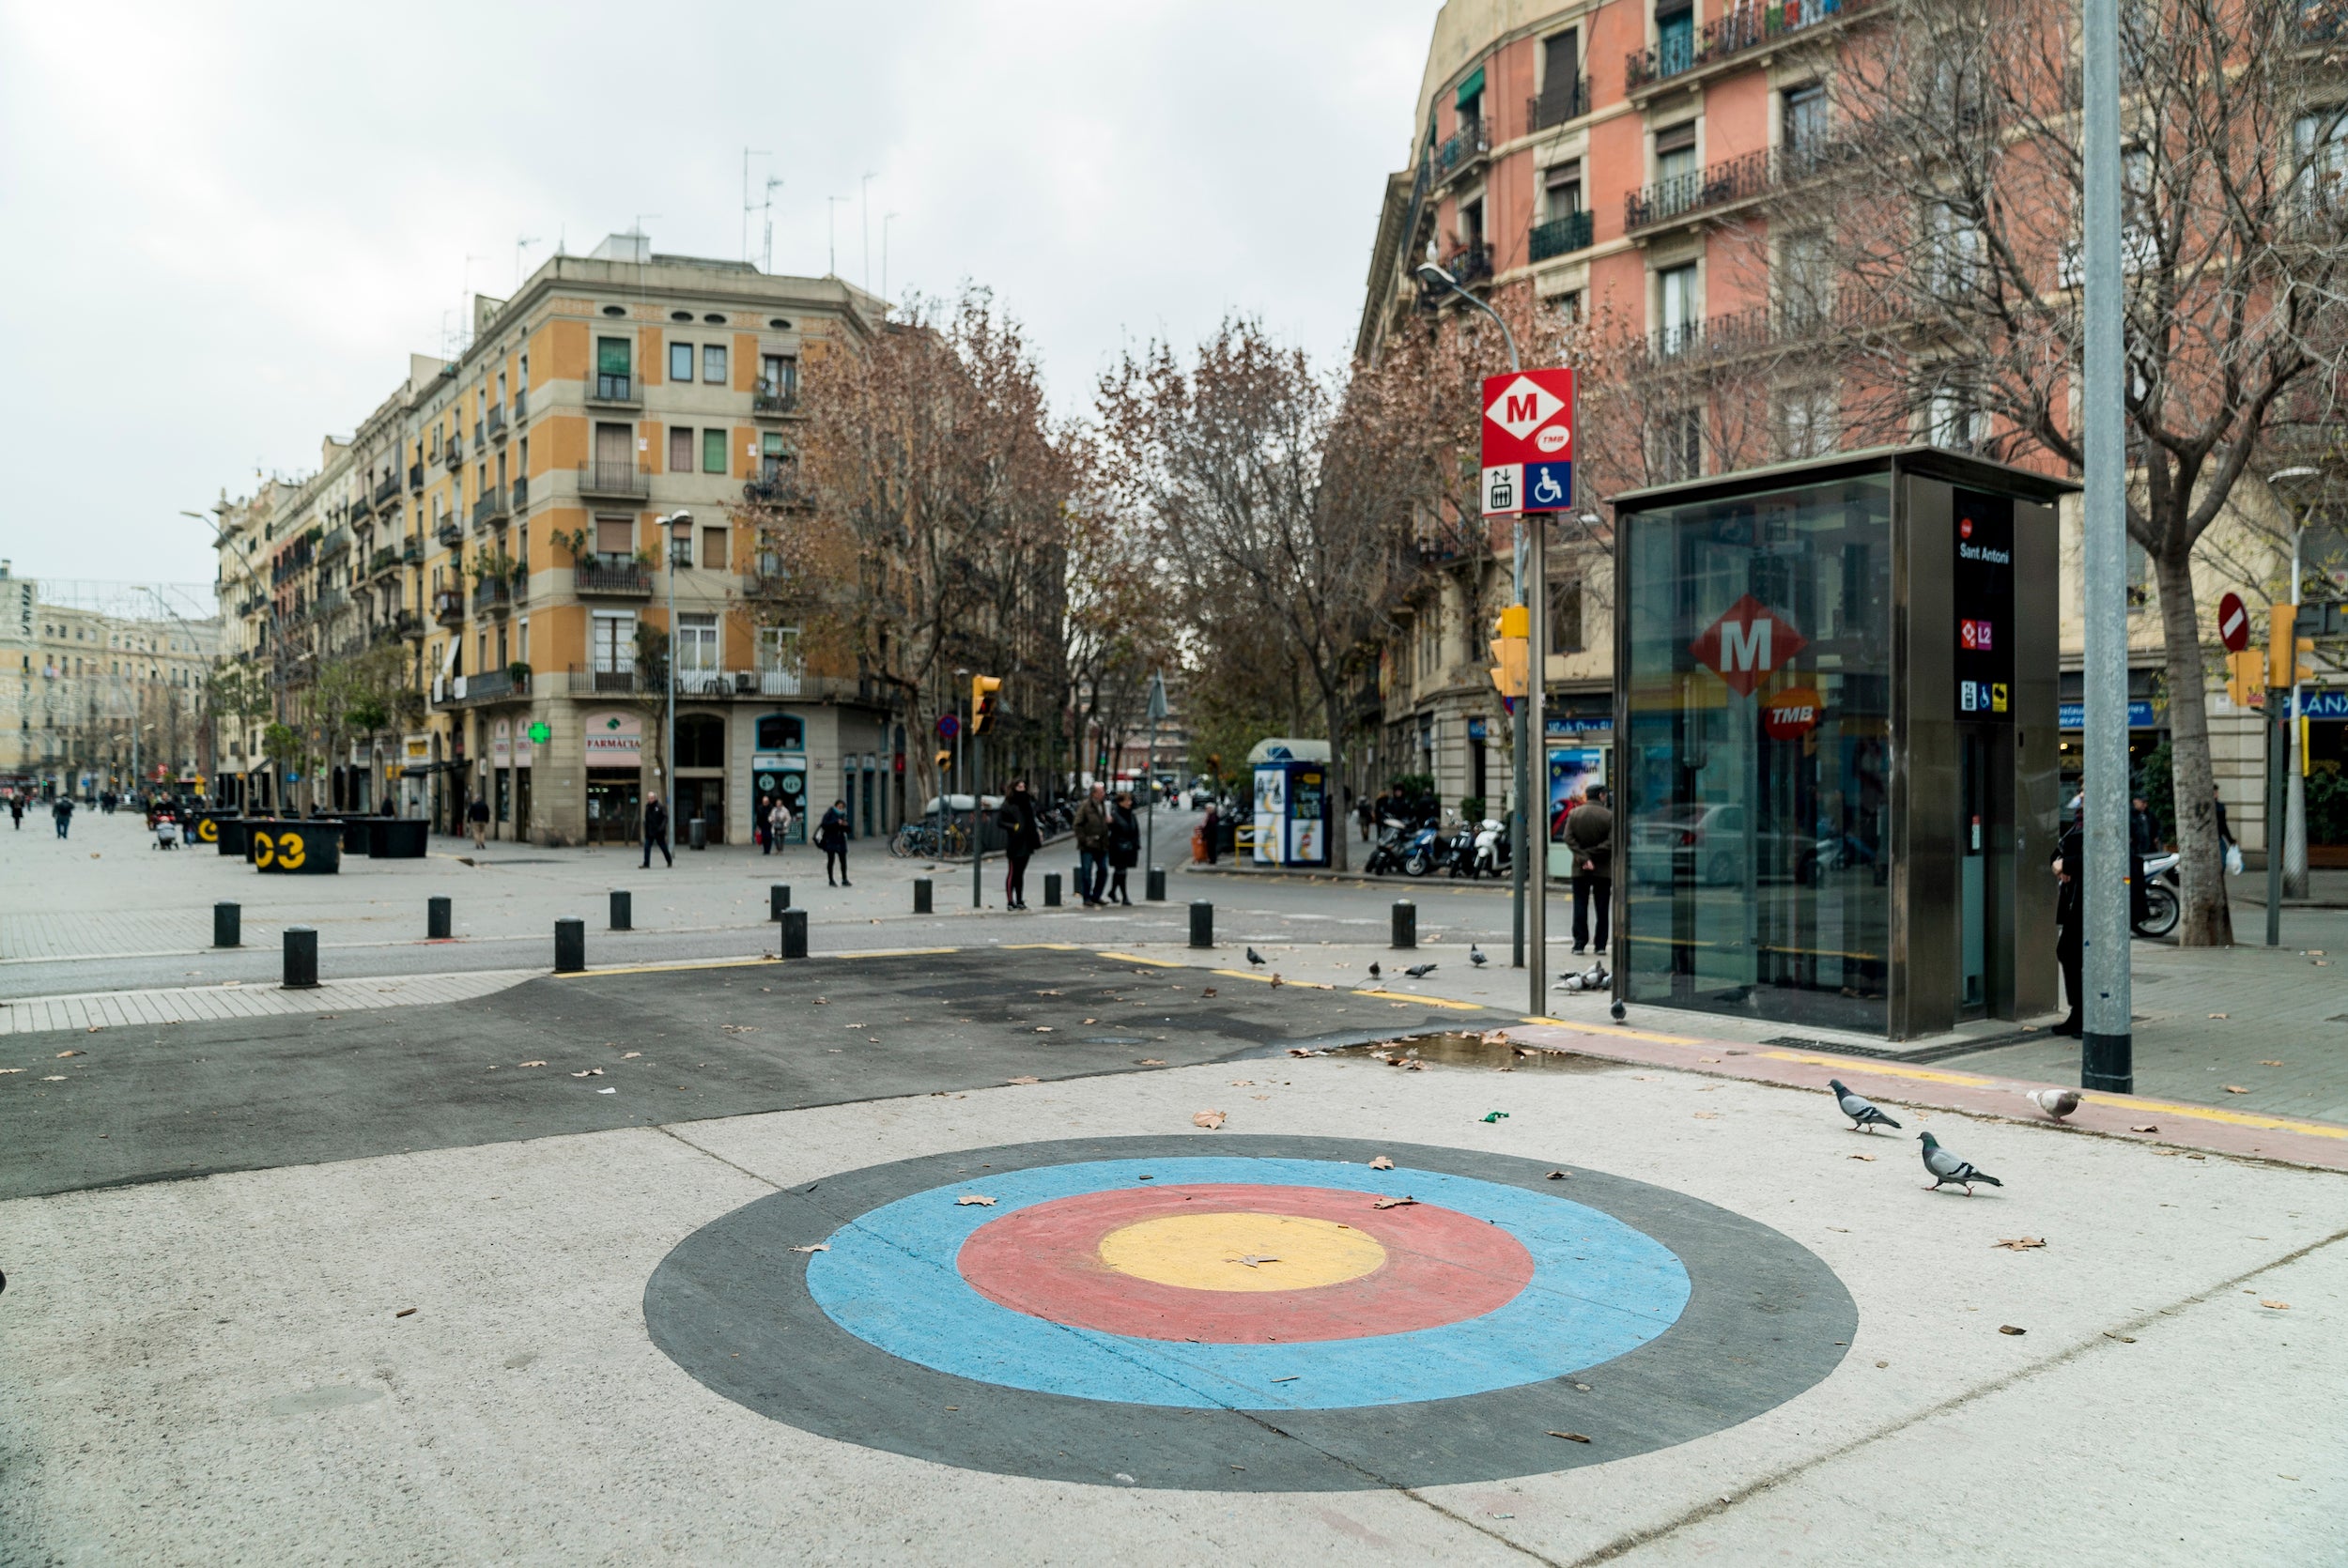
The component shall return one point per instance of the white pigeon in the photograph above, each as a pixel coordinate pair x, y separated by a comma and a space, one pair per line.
1475, 956
2057, 1103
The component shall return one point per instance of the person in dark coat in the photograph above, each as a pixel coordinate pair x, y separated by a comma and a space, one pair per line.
1209, 825
2070, 928
1590, 840
1021, 839
1125, 847
16, 812
833, 834
1093, 846
656, 830
62, 809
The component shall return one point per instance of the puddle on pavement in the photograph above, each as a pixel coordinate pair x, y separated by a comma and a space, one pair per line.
1491, 1051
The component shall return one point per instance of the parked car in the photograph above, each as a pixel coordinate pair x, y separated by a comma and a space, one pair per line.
1705, 845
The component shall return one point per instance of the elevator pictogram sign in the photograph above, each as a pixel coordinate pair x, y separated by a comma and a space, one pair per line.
1747, 644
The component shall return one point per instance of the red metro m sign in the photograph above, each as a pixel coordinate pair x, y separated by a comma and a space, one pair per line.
1748, 643
1528, 442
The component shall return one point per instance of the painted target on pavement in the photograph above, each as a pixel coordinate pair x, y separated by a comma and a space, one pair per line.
1246, 1314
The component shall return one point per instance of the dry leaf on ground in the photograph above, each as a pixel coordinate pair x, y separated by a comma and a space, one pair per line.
2020, 1243
2236, 1090
1554, 1175
1153, 1061
1209, 992
1707, 1115
1382, 1163
1866, 1157
2276, 1306
2010, 1329
1043, 1028
2148, 1127
2217, 1015
57, 1078
819, 1247
1207, 1119
591, 1072
5, 1071
2270, 1064
967, 1199
1395, 1203
1571, 1437
1024, 1080
629, 1055
530, 1064
63, 1054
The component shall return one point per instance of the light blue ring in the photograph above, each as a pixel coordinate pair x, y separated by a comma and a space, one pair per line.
1600, 1289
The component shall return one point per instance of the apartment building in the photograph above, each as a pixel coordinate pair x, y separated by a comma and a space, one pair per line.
1630, 165
493, 526
102, 686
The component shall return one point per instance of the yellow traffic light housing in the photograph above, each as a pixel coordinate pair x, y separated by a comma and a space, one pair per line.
982, 690
1512, 650
2280, 646
2246, 684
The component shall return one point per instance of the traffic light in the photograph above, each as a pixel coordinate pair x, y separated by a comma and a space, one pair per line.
2280, 645
1512, 648
2246, 678
944, 757
982, 690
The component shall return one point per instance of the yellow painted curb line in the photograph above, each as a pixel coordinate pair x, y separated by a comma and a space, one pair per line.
1135, 957
1042, 946
1266, 979
1429, 1001
670, 968
898, 952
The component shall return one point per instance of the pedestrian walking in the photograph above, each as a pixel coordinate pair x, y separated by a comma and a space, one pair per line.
62, 809
777, 825
1590, 843
1093, 846
832, 834
1022, 838
477, 817
16, 812
1124, 848
2070, 928
657, 832
1208, 826
1367, 812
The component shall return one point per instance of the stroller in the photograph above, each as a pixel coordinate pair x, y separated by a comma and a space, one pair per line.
166, 831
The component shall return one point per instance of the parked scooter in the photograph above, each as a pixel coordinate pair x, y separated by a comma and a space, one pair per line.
2162, 902
1385, 855
1422, 851
1491, 850
1458, 859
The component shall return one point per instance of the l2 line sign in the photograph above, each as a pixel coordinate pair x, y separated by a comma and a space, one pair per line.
1528, 442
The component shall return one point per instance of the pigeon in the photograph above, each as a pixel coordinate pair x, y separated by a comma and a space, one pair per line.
1475, 956
1945, 1167
1375, 972
1255, 957
2057, 1103
1861, 1110
1420, 971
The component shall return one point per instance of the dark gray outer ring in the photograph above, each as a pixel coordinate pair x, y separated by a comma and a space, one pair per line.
1764, 1321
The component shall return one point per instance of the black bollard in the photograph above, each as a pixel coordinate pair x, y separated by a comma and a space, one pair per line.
435, 919
1405, 923
794, 933
921, 892
302, 958
570, 944
778, 900
1155, 885
227, 925
623, 910
1051, 890
699, 827
1201, 923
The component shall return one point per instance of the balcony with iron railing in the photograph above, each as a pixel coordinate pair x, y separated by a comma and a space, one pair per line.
522, 492
337, 542
387, 486
474, 691
521, 403
449, 530
411, 553
1729, 183
771, 399
384, 560
448, 607
491, 508
600, 680
611, 578
452, 455
497, 421
408, 624
617, 392
1468, 264
780, 488
1463, 149
1560, 235
415, 476
621, 480
492, 596
1561, 99
330, 601
362, 505
1719, 41
1802, 323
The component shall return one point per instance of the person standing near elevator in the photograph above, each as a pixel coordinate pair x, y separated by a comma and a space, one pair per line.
1590, 840
2070, 928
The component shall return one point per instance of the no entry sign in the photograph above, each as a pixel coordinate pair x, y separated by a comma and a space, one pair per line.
1528, 442
2233, 624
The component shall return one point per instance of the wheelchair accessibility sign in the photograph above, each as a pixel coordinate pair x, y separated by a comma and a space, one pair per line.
1528, 442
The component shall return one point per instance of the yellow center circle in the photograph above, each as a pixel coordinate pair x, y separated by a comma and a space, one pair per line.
1241, 1251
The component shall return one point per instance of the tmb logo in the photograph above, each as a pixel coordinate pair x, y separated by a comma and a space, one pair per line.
1747, 643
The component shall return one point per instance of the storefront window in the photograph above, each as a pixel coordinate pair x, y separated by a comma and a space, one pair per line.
1756, 769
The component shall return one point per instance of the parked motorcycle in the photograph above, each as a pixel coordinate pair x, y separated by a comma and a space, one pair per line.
1385, 855
1458, 859
2161, 903
1492, 849
1422, 851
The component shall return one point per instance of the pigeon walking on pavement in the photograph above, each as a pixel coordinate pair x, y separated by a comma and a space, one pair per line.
1475, 956
1420, 971
1858, 1108
1375, 972
2057, 1103
1946, 1167
1255, 957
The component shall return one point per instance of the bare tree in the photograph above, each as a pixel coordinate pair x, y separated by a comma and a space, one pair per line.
1952, 244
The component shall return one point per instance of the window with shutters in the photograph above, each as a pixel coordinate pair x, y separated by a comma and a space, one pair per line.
680, 449
714, 364
615, 368
713, 452
615, 537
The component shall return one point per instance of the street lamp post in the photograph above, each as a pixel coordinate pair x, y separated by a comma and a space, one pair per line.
1530, 882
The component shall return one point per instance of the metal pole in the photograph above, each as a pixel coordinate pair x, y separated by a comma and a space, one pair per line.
1536, 724
2294, 762
1150, 783
2106, 1052
1519, 836
667, 780
978, 813
2278, 743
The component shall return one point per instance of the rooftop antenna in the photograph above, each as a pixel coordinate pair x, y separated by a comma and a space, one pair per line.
864, 222
831, 238
774, 183
520, 240
886, 219
464, 305
749, 153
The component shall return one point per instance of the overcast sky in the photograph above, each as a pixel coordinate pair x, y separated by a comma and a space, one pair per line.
226, 227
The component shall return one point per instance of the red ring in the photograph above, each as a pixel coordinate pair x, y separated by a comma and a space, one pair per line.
1441, 1266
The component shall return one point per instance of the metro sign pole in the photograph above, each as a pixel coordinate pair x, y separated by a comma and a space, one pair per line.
1528, 424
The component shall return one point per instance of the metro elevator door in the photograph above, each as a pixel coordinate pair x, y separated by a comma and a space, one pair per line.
1985, 861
